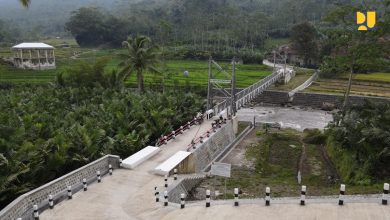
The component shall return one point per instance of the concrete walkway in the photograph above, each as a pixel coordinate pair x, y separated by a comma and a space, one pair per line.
127, 194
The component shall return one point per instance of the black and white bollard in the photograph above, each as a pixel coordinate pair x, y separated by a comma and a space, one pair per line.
267, 196
303, 195
385, 196
120, 162
85, 186
36, 213
166, 181
175, 174
235, 196
207, 198
51, 202
208, 133
165, 140
173, 134
165, 198
342, 193
181, 129
157, 194
201, 139
110, 169
69, 192
182, 200
99, 178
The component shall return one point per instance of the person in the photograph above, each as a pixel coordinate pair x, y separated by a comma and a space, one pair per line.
199, 118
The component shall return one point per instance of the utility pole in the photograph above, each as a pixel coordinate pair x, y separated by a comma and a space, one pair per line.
233, 92
274, 59
209, 88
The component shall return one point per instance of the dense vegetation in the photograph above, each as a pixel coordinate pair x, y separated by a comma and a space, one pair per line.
48, 131
359, 142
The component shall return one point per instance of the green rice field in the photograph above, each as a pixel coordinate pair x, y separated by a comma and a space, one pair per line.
172, 70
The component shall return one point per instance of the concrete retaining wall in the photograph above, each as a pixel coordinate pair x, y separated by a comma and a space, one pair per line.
204, 154
22, 207
185, 185
315, 100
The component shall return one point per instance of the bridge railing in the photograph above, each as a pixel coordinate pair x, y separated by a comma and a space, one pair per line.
249, 93
172, 135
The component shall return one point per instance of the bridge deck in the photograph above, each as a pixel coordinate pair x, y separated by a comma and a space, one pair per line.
127, 194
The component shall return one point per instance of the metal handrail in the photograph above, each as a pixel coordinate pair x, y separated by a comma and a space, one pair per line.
172, 135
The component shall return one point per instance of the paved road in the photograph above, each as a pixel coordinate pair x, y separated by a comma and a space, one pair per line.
288, 117
127, 194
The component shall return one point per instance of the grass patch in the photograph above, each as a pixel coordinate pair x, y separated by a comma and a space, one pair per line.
276, 161
301, 76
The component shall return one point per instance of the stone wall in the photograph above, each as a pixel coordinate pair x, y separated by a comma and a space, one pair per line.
315, 100
204, 154
184, 185
272, 97
22, 207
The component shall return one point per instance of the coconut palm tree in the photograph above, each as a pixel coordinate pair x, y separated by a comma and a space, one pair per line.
141, 56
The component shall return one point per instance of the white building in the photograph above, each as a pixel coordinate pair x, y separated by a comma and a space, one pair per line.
37, 56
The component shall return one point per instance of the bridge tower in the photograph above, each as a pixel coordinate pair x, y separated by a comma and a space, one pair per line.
223, 89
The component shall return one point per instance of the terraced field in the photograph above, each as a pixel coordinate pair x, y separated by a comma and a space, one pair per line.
363, 84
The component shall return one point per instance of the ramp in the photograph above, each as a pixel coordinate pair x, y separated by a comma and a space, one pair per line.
140, 157
174, 161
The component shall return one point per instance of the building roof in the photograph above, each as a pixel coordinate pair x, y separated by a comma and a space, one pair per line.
32, 46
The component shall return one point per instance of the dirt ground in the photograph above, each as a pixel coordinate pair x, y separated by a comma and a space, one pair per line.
237, 155
274, 160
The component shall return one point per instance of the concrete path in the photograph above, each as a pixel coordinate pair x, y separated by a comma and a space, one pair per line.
127, 194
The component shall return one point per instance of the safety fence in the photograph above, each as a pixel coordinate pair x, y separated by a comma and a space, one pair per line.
214, 127
172, 135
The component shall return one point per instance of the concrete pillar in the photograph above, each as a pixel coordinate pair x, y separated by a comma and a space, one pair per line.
342, 193
110, 169
156, 194
385, 194
47, 60
175, 174
39, 59
207, 198
181, 129
235, 196
182, 201
303, 195
165, 198
54, 57
51, 202
85, 186
166, 181
99, 178
267, 196
36, 213
69, 192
